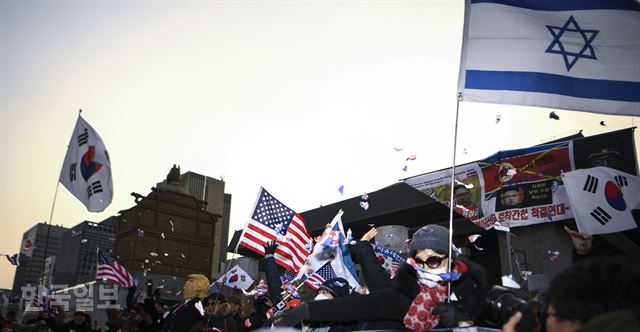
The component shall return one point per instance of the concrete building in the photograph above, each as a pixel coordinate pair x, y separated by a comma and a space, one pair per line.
76, 262
34, 244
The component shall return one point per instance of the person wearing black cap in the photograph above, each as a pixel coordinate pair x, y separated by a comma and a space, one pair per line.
412, 298
332, 288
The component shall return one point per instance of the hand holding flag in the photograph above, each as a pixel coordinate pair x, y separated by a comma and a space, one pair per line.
272, 220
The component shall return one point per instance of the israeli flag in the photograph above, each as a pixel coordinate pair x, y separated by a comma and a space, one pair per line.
579, 55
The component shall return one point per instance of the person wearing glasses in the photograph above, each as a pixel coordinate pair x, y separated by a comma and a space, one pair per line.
413, 296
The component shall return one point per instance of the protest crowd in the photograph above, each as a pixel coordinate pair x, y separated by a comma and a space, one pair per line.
599, 292
340, 281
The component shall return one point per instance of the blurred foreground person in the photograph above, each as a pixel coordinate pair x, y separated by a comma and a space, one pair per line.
599, 294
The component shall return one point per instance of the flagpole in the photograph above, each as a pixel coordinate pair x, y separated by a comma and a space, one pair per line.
53, 205
453, 180
46, 241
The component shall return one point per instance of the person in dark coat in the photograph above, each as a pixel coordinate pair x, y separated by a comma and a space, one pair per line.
184, 315
81, 322
410, 298
217, 316
271, 272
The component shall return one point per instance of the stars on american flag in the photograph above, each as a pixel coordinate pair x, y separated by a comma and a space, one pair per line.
272, 213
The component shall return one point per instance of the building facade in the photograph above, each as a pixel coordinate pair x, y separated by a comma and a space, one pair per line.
76, 262
35, 247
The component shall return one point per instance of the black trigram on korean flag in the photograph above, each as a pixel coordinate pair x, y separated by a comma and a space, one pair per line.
72, 172
591, 185
601, 216
621, 181
94, 188
83, 138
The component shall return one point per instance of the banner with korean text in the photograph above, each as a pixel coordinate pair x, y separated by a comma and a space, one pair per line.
524, 186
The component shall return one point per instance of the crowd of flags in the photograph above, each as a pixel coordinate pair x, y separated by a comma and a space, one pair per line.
526, 64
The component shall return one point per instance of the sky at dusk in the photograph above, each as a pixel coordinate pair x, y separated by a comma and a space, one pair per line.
300, 97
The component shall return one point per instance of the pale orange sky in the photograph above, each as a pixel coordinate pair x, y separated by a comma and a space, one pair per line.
300, 97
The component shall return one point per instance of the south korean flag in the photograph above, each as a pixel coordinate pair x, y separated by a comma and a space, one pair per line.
604, 200
86, 171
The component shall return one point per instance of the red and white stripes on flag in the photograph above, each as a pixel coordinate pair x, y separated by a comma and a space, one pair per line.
314, 281
272, 220
109, 269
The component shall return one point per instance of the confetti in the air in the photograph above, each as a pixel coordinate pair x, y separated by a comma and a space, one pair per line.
464, 151
602, 124
153, 254
526, 274
554, 116
553, 255
172, 227
162, 234
146, 261
84, 241
364, 205
411, 157
183, 256
477, 247
397, 149
140, 232
341, 190
473, 238
502, 228
364, 197
166, 255
405, 168
498, 117
507, 281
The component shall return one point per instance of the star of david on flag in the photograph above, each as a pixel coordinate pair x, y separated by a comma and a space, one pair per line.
583, 51
272, 220
571, 54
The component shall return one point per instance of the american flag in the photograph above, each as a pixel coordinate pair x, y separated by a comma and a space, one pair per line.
41, 299
389, 259
315, 280
109, 269
262, 287
273, 220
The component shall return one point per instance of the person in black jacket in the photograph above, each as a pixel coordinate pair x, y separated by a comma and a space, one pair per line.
81, 322
185, 314
410, 298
